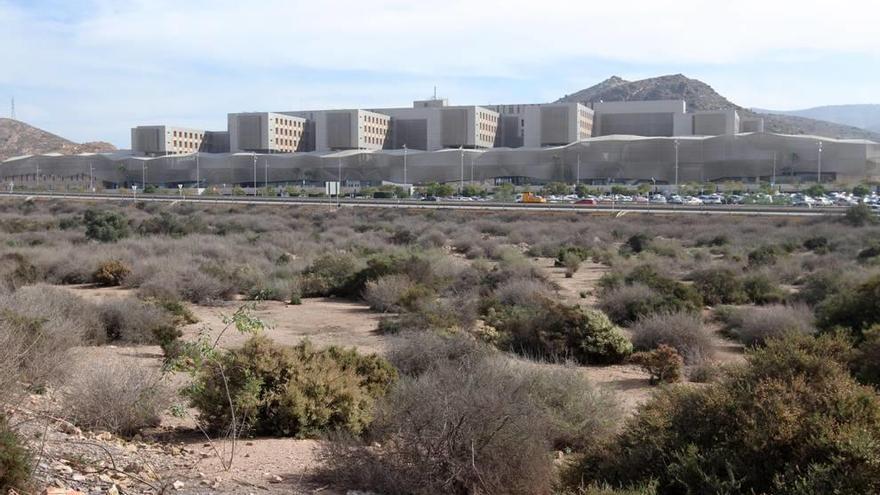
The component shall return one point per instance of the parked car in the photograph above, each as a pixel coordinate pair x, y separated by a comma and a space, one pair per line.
675, 199
587, 202
657, 198
692, 201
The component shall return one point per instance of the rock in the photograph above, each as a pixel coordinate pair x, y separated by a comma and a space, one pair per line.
105, 436
60, 491
178, 485
276, 479
113, 490
105, 479
62, 468
79, 477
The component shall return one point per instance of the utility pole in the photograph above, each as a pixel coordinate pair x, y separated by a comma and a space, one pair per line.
819, 169
91, 178
472, 169
143, 175
255, 173
266, 177
339, 184
404, 161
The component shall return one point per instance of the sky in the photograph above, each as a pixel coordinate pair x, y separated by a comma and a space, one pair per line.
92, 69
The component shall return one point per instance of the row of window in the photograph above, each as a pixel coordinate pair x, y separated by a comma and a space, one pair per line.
188, 134
289, 123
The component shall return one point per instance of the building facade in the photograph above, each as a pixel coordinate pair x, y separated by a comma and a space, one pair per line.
266, 132
160, 140
433, 124
337, 130
542, 124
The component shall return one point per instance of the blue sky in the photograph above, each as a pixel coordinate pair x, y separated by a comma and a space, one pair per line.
92, 69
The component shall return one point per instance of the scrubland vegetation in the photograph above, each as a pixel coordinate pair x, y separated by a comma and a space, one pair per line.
483, 388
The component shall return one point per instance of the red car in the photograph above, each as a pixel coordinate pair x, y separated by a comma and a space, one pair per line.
586, 202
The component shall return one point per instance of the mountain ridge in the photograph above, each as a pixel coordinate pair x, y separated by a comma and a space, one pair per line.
700, 96
18, 138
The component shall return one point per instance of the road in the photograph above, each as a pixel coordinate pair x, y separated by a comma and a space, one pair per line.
619, 208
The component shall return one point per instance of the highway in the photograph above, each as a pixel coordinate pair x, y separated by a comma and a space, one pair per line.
617, 208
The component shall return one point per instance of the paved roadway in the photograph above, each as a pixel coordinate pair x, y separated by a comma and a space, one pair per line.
618, 208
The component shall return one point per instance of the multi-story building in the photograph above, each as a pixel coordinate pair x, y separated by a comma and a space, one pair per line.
433, 124
331, 130
266, 132
159, 140
542, 124
642, 118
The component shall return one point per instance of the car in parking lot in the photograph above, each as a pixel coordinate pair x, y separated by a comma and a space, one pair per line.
587, 202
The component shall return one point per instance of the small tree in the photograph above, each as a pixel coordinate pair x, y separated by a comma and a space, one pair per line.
664, 364
859, 216
105, 226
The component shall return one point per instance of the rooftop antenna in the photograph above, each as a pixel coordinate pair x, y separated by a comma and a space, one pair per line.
12, 110
435, 92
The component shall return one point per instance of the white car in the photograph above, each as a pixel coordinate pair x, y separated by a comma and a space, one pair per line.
692, 201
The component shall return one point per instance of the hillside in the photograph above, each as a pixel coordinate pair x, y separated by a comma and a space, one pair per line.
863, 116
701, 96
18, 138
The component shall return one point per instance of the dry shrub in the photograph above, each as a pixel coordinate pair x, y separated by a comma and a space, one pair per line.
682, 331
627, 303
116, 396
480, 428
522, 292
133, 321
38, 325
111, 273
385, 293
754, 325
189, 284
420, 352
664, 364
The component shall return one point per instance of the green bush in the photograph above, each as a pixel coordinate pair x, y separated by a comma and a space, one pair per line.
764, 256
869, 252
291, 391
760, 289
329, 274
635, 244
866, 358
563, 332
111, 273
719, 286
856, 309
674, 295
105, 226
818, 244
15, 460
859, 216
791, 421
664, 364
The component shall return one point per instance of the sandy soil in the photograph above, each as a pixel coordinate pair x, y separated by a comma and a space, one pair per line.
584, 280
324, 321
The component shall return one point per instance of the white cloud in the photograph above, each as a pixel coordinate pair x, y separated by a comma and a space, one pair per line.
121, 61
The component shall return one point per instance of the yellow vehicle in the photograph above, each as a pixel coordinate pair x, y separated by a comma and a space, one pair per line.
528, 197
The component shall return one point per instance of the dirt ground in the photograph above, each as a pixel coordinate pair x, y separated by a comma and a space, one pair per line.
283, 465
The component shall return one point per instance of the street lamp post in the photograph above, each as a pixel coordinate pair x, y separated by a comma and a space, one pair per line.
266, 177
676, 166
198, 177
339, 184
461, 177
819, 169
773, 177
91, 178
255, 173
143, 175
404, 165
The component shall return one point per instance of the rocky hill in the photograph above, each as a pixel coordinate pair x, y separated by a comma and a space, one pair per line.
701, 96
18, 138
863, 116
